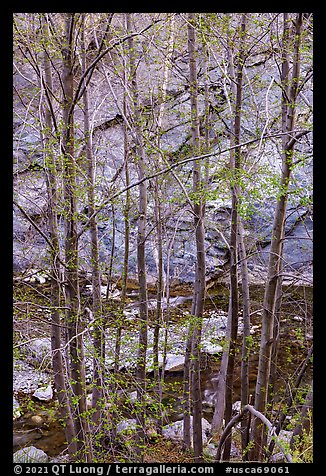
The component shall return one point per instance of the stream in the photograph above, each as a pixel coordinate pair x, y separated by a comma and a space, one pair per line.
38, 424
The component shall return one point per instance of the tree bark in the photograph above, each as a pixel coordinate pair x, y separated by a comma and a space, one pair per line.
223, 403
141, 240
77, 370
98, 333
200, 284
289, 94
246, 343
159, 225
58, 366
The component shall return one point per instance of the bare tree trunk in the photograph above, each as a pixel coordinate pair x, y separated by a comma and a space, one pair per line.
289, 94
124, 277
234, 293
200, 284
159, 293
77, 370
98, 333
246, 340
223, 403
276, 337
111, 258
219, 390
159, 378
52, 190
141, 239
186, 392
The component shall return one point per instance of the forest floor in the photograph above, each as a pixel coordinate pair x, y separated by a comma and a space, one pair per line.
30, 321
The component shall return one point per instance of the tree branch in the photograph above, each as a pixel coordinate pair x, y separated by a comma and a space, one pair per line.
32, 222
89, 70
257, 414
171, 167
294, 139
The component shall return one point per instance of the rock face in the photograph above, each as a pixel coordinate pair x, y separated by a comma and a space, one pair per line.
179, 243
30, 455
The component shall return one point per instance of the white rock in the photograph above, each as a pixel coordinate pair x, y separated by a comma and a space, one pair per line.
41, 279
115, 294
44, 393
132, 396
38, 352
27, 379
31, 276
210, 347
236, 407
150, 361
126, 426
89, 398
174, 363
30, 454
208, 398
16, 409
253, 329
131, 314
297, 318
210, 450
174, 431
284, 437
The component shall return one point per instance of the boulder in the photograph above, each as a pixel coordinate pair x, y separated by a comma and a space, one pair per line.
174, 431
174, 362
37, 352
26, 379
236, 407
211, 450
127, 426
37, 420
30, 455
16, 409
44, 393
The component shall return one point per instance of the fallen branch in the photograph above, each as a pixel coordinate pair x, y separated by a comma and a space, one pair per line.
237, 418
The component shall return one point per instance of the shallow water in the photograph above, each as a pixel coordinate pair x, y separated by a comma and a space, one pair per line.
46, 433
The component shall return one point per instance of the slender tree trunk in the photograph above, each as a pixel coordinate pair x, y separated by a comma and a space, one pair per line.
276, 338
186, 392
52, 190
98, 333
141, 240
77, 370
159, 291
246, 347
159, 378
124, 278
289, 94
223, 403
235, 190
200, 284
111, 259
